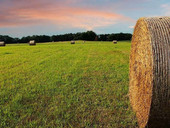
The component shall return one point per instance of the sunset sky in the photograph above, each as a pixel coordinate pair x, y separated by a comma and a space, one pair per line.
28, 17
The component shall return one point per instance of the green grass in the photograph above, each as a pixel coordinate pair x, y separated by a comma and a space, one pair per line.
64, 85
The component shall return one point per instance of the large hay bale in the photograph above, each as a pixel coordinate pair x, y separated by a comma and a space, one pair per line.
72, 42
2, 43
32, 42
114, 41
150, 72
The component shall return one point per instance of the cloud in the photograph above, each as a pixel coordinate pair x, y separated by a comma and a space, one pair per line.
166, 9
131, 27
60, 13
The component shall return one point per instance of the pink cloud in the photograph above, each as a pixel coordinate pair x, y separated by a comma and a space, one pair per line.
60, 13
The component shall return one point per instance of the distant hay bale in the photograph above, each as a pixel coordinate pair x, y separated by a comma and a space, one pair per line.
32, 42
72, 42
2, 43
114, 41
149, 88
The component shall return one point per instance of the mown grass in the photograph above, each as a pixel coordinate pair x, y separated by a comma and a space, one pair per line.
64, 85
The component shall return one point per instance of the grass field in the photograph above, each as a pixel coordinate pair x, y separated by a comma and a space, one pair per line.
64, 85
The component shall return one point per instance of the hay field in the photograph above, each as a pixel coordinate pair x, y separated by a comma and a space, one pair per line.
64, 85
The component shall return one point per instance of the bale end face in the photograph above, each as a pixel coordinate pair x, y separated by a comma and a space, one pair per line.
114, 41
72, 42
2, 43
150, 72
32, 42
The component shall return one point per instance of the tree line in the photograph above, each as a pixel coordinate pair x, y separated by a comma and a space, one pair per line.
89, 36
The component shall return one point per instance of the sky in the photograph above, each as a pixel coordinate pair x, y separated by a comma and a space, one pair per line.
52, 17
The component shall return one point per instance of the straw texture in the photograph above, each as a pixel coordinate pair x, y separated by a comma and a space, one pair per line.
149, 88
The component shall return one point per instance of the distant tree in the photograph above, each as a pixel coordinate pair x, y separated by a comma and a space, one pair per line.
103, 37
117, 36
96, 38
78, 36
8, 39
89, 35
25, 39
16, 40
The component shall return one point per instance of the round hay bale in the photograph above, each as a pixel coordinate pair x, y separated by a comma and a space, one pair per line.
2, 43
32, 42
72, 42
114, 41
149, 88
